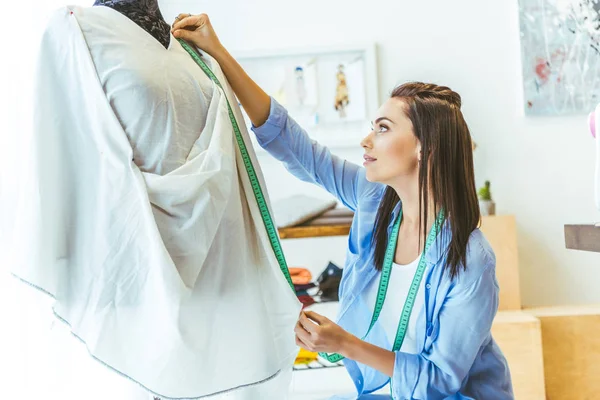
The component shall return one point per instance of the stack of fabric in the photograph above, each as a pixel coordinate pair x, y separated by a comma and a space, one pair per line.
324, 288
305, 357
301, 278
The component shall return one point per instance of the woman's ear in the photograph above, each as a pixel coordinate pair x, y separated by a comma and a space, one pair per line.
419, 152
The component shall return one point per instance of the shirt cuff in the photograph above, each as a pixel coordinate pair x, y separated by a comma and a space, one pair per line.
405, 375
273, 126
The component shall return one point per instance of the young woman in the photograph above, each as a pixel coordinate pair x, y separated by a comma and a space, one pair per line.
419, 291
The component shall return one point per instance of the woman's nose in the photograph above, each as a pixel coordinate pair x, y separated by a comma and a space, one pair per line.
366, 142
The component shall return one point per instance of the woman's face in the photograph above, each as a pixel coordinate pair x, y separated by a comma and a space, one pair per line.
391, 149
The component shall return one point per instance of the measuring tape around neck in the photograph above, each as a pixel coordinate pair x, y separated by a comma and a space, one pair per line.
256, 188
384, 281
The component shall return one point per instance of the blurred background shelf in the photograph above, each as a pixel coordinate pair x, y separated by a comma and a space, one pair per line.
583, 237
334, 222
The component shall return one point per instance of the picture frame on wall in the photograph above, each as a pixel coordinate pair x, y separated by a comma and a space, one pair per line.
560, 55
332, 92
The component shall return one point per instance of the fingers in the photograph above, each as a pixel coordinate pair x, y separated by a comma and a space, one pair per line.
301, 332
307, 324
303, 338
190, 21
179, 18
183, 34
319, 319
305, 346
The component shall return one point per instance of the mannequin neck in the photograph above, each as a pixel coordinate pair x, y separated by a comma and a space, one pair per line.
148, 6
145, 13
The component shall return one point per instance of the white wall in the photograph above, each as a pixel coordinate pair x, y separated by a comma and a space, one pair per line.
541, 169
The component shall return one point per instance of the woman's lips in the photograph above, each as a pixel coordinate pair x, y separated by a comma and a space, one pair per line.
368, 159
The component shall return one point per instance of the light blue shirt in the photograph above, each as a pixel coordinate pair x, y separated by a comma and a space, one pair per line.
458, 357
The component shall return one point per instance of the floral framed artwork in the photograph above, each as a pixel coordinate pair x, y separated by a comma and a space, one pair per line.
560, 49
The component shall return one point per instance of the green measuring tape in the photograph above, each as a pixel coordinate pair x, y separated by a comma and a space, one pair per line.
384, 281
258, 193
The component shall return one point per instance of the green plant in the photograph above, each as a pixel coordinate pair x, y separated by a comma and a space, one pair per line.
484, 192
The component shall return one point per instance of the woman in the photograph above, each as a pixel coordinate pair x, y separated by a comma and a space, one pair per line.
416, 217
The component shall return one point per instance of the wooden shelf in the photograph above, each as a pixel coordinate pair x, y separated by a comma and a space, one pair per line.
335, 222
582, 237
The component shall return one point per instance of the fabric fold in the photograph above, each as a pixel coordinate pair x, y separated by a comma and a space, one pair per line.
137, 214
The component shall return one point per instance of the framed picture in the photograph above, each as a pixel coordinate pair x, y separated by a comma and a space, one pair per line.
332, 92
560, 49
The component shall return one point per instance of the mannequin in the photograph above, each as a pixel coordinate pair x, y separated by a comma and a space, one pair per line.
142, 196
145, 13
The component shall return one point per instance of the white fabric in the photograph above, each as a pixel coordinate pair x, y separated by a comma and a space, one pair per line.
597, 123
139, 218
400, 281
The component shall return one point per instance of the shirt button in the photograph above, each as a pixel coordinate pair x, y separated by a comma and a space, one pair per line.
428, 286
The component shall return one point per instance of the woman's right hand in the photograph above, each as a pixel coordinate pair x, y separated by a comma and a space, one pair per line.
197, 30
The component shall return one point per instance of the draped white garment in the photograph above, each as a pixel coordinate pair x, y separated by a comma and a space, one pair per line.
139, 218
597, 123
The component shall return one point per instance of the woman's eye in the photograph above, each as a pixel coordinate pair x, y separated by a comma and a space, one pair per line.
382, 128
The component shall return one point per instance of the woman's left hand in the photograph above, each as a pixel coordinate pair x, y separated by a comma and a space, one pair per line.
322, 335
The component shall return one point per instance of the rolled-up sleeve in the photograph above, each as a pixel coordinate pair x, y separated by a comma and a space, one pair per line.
464, 325
306, 159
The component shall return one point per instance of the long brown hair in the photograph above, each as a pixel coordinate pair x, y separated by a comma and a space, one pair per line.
446, 148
